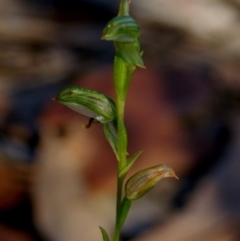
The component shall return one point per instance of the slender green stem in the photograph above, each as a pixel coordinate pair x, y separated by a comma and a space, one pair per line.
122, 76
122, 137
116, 235
118, 209
119, 79
124, 8
119, 195
125, 207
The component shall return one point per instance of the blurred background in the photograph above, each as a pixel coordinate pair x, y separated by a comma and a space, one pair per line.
57, 179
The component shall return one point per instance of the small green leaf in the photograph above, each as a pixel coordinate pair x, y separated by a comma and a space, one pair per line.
111, 135
130, 53
104, 234
131, 160
142, 182
88, 102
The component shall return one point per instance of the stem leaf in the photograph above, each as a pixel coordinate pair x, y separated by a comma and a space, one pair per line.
130, 53
111, 135
130, 161
104, 234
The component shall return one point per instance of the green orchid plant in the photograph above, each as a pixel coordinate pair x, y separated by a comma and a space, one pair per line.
124, 32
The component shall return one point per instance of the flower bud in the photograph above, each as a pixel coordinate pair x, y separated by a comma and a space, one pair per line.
125, 33
121, 29
143, 181
88, 102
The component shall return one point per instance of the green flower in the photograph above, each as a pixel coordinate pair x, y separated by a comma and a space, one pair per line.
88, 102
125, 33
143, 181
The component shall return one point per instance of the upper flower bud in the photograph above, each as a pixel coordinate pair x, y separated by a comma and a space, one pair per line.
121, 29
125, 33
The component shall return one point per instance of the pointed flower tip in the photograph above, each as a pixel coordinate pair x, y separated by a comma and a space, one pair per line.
140, 64
175, 176
166, 171
172, 174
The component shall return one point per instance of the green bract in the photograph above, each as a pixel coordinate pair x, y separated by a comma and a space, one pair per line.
130, 53
143, 181
88, 102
